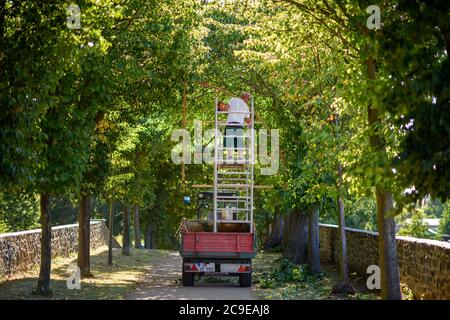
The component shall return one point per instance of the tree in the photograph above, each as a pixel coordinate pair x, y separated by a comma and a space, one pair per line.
110, 241
416, 227
341, 20
126, 231
32, 47
276, 234
295, 236
313, 240
44, 123
137, 228
414, 50
94, 99
444, 225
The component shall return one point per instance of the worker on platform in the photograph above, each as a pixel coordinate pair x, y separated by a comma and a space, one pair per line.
238, 113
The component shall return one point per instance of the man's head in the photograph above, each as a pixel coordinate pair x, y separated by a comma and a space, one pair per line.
246, 97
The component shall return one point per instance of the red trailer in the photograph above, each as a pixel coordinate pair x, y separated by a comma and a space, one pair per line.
227, 252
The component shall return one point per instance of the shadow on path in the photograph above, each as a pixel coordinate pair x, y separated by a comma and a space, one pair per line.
163, 282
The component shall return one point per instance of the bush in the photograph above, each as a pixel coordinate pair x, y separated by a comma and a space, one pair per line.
286, 272
444, 225
417, 227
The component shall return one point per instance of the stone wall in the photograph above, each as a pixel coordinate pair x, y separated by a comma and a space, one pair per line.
20, 251
424, 264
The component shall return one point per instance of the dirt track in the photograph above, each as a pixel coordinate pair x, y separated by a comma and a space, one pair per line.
163, 281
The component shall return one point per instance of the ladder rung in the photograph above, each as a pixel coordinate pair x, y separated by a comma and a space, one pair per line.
228, 166
234, 221
233, 112
221, 121
226, 148
235, 185
233, 179
233, 209
233, 197
224, 123
233, 163
233, 172
232, 200
235, 136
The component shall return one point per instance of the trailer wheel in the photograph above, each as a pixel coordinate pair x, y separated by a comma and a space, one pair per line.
187, 277
245, 280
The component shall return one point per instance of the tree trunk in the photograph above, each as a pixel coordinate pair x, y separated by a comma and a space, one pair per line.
276, 234
43, 285
387, 246
111, 225
295, 237
137, 229
183, 125
84, 226
343, 259
150, 237
265, 233
126, 231
313, 240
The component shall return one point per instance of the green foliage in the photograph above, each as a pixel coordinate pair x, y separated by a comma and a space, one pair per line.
414, 51
286, 272
434, 208
361, 213
91, 111
18, 212
407, 293
64, 210
416, 227
444, 225
34, 46
3, 227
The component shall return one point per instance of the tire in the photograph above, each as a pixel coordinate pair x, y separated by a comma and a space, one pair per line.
187, 277
245, 280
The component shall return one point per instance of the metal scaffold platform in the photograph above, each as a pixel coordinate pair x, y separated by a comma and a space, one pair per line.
235, 173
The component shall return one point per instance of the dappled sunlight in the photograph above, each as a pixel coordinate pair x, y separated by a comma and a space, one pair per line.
156, 274
164, 282
109, 282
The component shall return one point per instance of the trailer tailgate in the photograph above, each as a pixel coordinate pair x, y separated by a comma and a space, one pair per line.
217, 242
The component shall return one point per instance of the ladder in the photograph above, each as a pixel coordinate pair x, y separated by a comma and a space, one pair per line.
236, 179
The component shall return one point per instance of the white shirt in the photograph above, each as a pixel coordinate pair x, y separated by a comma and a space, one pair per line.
237, 105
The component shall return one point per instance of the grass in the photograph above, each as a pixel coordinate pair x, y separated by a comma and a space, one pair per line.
109, 282
277, 278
